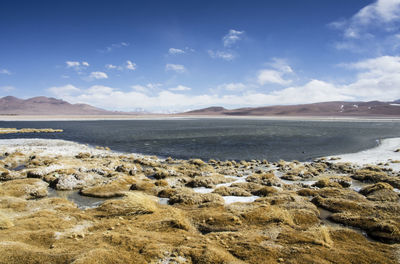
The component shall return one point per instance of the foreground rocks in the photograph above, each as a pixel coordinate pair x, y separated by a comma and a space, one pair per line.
28, 130
151, 210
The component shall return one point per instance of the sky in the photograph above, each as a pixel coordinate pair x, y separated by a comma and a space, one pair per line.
172, 56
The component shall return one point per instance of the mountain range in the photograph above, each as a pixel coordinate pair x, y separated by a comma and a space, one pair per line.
372, 108
42, 105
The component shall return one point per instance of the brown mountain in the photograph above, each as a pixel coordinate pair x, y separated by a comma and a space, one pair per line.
334, 109
42, 105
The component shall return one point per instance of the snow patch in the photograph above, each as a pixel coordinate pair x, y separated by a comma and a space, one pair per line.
383, 153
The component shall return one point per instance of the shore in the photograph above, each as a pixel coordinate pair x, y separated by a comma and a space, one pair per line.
177, 116
64, 202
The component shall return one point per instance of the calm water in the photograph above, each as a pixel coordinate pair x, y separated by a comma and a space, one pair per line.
220, 138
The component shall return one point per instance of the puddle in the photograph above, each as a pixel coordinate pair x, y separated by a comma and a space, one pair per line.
163, 201
241, 199
203, 190
19, 168
308, 182
358, 185
83, 202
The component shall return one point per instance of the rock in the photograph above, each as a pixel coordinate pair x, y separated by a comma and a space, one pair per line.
380, 192
231, 191
334, 182
197, 162
375, 187
7, 175
264, 191
367, 175
83, 155
144, 186
267, 179
134, 203
116, 188
207, 181
24, 188
187, 197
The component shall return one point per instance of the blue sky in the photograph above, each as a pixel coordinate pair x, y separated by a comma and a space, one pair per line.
167, 56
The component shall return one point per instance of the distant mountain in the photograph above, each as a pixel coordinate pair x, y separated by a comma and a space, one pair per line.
42, 105
373, 108
209, 111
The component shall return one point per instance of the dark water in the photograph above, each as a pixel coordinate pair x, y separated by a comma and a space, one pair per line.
220, 138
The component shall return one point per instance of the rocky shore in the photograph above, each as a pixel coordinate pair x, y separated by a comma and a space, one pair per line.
63, 202
29, 130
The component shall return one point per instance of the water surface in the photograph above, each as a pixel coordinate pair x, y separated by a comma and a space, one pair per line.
220, 138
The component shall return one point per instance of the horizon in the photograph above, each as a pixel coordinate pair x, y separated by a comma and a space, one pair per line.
179, 56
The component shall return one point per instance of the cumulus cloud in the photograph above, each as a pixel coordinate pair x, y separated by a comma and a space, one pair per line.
180, 88
225, 55
371, 28
175, 67
110, 66
232, 87
5, 71
77, 65
376, 79
175, 51
65, 90
281, 65
72, 64
130, 65
146, 88
98, 75
271, 76
232, 37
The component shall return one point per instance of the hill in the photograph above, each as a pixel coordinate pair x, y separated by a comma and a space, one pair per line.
42, 105
372, 108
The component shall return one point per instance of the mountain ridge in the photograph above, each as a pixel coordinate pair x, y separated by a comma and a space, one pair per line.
333, 108
42, 105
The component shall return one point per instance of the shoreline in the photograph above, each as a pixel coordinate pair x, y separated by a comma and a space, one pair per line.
184, 117
382, 153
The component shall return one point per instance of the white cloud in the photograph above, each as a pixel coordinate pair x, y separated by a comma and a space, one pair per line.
281, 65
7, 88
72, 64
98, 75
65, 90
271, 76
371, 29
139, 88
175, 51
5, 71
130, 65
180, 88
110, 66
113, 47
146, 88
78, 66
232, 37
175, 67
232, 87
376, 79
380, 11
225, 55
